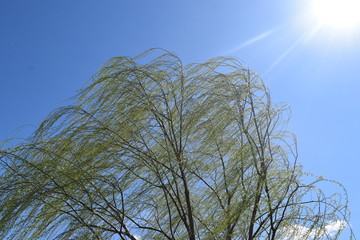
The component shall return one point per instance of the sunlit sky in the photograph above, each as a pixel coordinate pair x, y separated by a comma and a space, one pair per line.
307, 54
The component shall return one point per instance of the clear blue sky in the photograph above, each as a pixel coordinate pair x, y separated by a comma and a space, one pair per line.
49, 49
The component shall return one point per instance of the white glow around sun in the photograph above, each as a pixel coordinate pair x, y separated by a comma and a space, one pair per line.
340, 14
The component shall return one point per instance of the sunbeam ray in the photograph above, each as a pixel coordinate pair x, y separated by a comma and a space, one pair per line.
253, 40
304, 38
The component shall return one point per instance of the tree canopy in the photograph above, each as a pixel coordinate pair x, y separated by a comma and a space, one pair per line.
154, 149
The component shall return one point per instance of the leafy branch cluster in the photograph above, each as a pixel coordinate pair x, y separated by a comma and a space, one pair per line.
162, 150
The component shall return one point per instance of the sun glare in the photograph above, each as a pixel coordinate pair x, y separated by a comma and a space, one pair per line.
339, 14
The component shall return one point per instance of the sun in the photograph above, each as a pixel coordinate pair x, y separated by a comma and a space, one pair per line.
337, 14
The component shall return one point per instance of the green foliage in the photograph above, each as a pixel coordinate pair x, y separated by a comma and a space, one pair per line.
164, 150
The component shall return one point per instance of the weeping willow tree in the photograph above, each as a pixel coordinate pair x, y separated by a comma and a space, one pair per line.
154, 149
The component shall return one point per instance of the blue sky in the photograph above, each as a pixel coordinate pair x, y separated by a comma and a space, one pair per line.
49, 49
